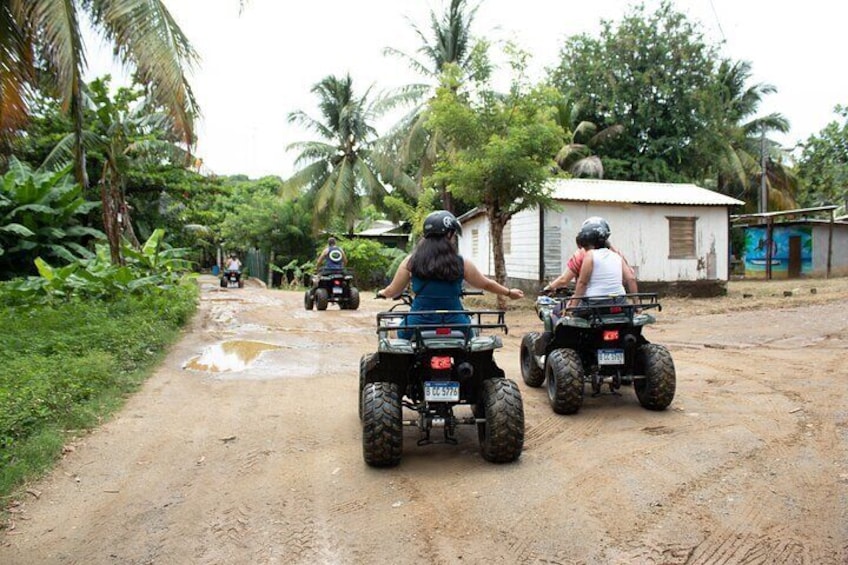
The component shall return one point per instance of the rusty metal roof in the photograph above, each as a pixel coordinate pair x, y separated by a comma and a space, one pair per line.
632, 192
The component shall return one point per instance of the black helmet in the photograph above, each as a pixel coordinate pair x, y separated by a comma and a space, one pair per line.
594, 231
441, 222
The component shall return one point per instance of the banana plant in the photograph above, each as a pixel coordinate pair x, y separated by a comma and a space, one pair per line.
41, 214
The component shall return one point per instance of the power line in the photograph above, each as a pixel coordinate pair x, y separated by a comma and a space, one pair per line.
718, 23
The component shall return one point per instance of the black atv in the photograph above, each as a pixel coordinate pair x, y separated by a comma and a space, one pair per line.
597, 343
439, 368
231, 279
332, 286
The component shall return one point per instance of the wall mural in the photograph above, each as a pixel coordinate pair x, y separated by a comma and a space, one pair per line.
756, 245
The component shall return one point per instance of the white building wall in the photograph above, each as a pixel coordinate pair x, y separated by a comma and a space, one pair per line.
839, 250
639, 231
523, 260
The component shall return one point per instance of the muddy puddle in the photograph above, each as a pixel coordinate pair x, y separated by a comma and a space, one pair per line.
229, 356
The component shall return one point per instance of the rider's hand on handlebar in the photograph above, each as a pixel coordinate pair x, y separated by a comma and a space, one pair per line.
379, 296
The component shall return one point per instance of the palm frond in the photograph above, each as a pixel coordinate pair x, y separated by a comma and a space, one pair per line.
146, 35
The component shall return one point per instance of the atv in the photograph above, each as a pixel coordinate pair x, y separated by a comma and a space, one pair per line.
439, 369
231, 279
332, 286
597, 343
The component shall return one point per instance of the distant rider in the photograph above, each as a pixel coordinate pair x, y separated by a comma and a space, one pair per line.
233, 263
333, 258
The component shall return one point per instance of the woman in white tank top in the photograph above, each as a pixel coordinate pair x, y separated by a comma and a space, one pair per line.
603, 272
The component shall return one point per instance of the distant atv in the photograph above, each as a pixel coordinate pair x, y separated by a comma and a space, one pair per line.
597, 344
232, 279
332, 286
440, 368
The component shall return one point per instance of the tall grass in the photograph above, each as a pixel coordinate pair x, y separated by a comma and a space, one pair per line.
66, 366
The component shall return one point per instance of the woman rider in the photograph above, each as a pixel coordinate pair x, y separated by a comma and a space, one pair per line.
603, 272
437, 272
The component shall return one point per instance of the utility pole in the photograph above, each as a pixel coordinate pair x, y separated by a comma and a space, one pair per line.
763, 187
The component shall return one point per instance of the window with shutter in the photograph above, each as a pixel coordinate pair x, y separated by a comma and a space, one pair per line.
681, 238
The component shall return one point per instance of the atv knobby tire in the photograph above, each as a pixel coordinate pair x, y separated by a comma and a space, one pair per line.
308, 300
382, 424
532, 374
223, 282
656, 390
364, 362
353, 303
564, 372
502, 435
322, 298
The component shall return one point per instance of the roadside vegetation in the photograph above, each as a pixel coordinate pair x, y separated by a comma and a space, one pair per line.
68, 365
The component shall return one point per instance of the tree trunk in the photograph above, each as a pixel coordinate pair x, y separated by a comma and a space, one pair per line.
109, 204
496, 226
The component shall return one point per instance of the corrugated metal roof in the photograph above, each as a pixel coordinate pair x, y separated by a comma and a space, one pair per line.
600, 190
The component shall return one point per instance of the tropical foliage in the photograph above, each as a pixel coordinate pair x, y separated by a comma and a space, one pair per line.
823, 165
502, 147
337, 172
409, 146
41, 215
153, 267
43, 50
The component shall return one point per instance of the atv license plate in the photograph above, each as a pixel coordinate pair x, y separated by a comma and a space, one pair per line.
610, 357
337, 290
441, 391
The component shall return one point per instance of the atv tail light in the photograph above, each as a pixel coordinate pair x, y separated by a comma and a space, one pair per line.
440, 363
337, 282
443, 331
615, 309
610, 335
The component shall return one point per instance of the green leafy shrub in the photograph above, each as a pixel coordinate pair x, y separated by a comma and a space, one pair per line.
66, 364
369, 260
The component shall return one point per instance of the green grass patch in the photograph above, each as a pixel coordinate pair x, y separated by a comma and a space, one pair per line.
65, 367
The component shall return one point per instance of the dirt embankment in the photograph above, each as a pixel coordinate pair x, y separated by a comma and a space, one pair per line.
261, 463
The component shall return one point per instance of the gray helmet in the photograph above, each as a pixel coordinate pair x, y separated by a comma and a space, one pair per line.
598, 220
441, 222
594, 231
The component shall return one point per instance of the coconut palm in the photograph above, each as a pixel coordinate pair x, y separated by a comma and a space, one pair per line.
41, 47
337, 171
409, 143
737, 147
577, 156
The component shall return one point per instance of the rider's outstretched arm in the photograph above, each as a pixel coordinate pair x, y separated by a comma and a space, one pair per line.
399, 282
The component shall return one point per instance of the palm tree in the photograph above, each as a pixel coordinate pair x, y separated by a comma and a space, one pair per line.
123, 132
409, 144
739, 146
338, 173
577, 155
41, 44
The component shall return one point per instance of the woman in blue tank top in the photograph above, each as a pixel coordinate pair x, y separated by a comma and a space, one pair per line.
437, 271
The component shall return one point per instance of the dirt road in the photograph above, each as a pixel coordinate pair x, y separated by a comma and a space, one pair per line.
263, 465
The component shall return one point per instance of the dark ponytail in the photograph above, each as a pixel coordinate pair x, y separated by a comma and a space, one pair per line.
435, 257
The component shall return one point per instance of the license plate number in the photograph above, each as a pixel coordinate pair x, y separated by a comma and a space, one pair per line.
441, 391
610, 357
337, 290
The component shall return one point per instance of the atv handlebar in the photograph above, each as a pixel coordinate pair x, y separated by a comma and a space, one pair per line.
406, 297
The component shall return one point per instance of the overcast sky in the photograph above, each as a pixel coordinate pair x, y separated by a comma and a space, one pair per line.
260, 65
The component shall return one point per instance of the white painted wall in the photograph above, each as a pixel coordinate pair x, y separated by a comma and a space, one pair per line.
640, 231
